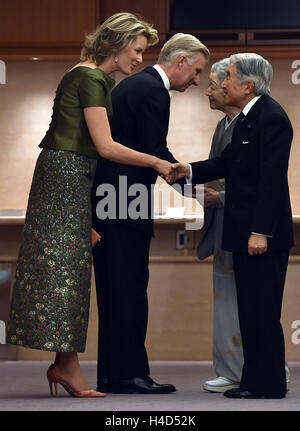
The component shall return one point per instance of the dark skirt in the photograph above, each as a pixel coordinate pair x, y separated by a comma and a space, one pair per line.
51, 295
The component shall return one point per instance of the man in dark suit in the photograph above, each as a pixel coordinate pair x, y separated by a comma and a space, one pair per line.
258, 226
141, 105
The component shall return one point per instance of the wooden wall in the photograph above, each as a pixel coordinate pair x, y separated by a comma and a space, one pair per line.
35, 27
57, 27
34, 22
155, 12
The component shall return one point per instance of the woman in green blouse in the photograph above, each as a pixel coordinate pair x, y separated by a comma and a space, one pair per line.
50, 304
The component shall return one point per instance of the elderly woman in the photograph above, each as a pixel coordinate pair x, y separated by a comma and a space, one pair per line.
50, 304
227, 346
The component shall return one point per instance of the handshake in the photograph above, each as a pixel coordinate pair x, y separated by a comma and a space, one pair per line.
172, 172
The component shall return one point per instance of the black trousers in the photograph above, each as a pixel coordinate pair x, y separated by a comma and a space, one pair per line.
260, 283
121, 261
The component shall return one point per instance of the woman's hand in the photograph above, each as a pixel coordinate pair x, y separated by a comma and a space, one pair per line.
166, 170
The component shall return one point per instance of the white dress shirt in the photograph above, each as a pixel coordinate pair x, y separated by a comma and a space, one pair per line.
163, 76
249, 105
166, 82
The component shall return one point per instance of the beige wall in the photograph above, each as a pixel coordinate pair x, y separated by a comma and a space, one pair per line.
180, 291
25, 110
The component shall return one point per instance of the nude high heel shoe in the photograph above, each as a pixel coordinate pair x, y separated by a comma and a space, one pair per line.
54, 378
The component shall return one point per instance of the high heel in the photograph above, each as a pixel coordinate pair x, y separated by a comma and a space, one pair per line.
54, 378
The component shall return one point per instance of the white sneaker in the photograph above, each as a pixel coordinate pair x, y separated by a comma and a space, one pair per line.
220, 384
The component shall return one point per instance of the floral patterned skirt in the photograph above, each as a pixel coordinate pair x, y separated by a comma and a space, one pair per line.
51, 295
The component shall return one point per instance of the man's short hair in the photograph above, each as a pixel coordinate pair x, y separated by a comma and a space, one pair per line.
182, 44
253, 67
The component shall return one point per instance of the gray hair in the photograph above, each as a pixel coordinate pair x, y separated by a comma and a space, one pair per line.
182, 44
253, 67
220, 68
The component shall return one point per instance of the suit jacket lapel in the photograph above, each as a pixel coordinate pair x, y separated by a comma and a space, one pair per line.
244, 129
251, 117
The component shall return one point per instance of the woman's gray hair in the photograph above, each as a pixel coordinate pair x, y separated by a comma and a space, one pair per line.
220, 68
182, 44
253, 67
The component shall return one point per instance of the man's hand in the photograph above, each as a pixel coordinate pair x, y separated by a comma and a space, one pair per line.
175, 172
211, 197
181, 170
166, 170
257, 244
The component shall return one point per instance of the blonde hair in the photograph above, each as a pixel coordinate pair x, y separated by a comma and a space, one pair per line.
115, 34
182, 44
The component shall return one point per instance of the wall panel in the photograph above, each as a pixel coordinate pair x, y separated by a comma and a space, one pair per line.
154, 11
43, 22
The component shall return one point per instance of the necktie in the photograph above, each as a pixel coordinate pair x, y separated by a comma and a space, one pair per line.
239, 121
241, 118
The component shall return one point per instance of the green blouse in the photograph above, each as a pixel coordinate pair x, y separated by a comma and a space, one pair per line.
78, 89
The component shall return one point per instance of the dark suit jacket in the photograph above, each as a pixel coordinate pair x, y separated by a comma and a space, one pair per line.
141, 108
255, 167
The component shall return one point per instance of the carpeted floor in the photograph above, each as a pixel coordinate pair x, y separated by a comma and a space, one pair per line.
23, 387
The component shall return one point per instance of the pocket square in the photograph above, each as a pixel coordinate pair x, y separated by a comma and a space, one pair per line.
245, 142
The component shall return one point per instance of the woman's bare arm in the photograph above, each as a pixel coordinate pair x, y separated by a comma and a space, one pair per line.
98, 125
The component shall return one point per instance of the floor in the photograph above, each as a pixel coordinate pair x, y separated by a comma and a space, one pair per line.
23, 387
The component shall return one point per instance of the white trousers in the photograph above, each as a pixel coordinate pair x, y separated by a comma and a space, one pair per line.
228, 356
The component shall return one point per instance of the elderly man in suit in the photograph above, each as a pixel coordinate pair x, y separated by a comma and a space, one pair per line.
258, 226
227, 346
141, 105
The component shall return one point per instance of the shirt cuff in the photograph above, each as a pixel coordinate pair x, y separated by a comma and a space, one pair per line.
261, 234
189, 179
222, 197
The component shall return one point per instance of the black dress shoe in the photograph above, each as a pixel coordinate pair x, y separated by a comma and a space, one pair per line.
240, 393
138, 385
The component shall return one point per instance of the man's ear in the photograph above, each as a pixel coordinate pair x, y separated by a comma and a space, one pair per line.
249, 88
180, 61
